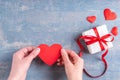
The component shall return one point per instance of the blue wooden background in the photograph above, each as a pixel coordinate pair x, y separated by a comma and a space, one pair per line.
32, 22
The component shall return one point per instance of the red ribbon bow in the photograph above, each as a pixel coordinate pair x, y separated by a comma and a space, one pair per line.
103, 45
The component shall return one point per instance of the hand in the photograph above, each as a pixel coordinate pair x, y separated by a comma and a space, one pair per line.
73, 64
21, 62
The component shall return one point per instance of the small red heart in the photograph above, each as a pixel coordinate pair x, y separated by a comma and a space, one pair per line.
114, 31
49, 54
91, 19
109, 15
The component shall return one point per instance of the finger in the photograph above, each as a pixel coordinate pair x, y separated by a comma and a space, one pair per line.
33, 54
60, 63
73, 55
65, 57
24, 51
59, 60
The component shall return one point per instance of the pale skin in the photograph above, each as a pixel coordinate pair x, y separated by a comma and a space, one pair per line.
22, 59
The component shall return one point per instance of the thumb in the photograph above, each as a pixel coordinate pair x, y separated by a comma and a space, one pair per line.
33, 54
65, 57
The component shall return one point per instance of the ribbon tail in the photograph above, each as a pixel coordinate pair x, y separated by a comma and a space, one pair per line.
105, 64
80, 46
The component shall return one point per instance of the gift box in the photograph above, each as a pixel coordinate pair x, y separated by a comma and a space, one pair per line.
96, 34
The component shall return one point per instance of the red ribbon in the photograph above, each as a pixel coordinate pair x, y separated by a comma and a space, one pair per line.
103, 45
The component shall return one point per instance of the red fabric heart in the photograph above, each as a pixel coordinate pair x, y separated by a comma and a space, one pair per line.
109, 15
49, 55
91, 19
114, 31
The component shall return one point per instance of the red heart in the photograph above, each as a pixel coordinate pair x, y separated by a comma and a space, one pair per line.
49, 55
114, 31
91, 19
109, 15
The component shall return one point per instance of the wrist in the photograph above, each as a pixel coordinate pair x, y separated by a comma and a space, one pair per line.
75, 79
12, 78
78, 77
17, 76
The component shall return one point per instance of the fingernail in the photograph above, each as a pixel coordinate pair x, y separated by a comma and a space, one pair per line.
37, 50
58, 60
62, 50
58, 64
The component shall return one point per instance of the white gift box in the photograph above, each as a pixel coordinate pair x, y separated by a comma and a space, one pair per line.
95, 47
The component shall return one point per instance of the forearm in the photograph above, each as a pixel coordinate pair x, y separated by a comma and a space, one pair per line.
16, 76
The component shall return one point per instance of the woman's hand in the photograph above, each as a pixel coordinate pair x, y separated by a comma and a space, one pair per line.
21, 62
73, 64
